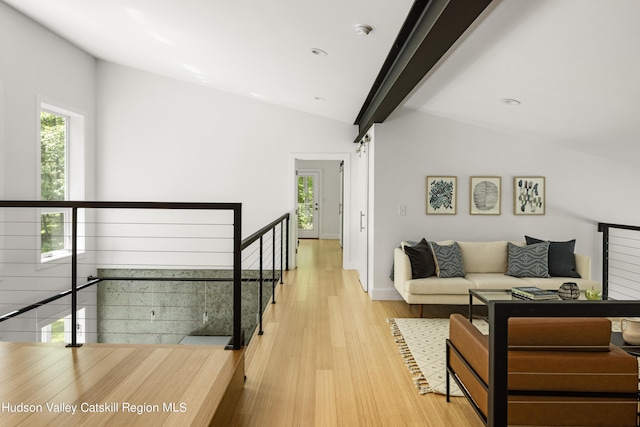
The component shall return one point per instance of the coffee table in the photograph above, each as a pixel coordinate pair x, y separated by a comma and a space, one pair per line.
487, 295
501, 306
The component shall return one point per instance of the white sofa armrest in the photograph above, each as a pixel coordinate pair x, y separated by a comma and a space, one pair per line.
583, 266
401, 270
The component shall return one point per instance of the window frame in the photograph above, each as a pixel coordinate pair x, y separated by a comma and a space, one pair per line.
75, 140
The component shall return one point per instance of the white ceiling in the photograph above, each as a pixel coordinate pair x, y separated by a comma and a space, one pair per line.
253, 48
573, 64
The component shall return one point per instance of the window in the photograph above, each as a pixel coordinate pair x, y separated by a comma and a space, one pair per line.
61, 177
60, 330
54, 224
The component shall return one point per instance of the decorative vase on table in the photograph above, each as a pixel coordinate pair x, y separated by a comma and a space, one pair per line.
630, 328
569, 290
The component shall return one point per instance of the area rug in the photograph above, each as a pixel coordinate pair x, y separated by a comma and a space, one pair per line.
422, 346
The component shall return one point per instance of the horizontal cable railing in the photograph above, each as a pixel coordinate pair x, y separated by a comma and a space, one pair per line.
134, 272
620, 261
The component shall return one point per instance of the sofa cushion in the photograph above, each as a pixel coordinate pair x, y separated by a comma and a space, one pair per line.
528, 261
448, 260
421, 258
494, 280
484, 257
437, 286
562, 259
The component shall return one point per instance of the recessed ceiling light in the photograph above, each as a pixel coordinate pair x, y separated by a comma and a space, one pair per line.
511, 101
363, 29
318, 52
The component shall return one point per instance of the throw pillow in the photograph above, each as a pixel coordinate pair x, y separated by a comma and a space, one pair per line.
448, 260
421, 258
528, 261
562, 259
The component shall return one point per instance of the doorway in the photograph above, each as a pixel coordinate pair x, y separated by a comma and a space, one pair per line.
309, 184
334, 203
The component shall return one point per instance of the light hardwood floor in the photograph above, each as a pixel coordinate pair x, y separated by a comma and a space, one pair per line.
327, 357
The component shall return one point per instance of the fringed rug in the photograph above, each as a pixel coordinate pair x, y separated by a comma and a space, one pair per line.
422, 345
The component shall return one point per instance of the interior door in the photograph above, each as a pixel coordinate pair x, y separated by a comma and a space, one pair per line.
362, 241
308, 209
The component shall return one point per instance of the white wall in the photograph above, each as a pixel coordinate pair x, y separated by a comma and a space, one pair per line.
582, 190
36, 65
165, 140
329, 205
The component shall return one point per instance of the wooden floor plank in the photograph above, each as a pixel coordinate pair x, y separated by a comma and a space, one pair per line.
112, 384
327, 356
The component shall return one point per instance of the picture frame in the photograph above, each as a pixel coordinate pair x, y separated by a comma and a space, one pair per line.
529, 195
442, 193
485, 195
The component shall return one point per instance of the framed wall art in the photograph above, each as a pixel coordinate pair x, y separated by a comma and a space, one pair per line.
528, 195
441, 195
485, 195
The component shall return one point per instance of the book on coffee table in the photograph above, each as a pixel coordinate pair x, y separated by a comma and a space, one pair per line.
533, 293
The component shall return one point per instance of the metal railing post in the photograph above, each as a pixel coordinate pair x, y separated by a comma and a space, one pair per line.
605, 259
74, 278
287, 242
237, 279
273, 265
281, 247
260, 331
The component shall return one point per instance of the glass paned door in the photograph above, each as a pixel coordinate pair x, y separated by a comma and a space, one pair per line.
308, 205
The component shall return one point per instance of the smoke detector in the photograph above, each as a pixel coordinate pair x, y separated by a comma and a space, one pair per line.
363, 29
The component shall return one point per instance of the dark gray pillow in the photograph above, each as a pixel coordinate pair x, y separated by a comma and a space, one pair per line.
448, 260
528, 261
421, 258
562, 259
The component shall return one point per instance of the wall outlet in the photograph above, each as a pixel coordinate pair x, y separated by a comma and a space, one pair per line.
402, 210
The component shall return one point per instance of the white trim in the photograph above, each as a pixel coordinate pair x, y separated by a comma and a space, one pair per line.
330, 236
385, 295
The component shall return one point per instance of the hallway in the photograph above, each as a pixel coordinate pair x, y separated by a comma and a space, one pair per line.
327, 357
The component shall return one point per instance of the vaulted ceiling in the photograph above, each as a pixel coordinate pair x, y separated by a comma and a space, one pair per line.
572, 65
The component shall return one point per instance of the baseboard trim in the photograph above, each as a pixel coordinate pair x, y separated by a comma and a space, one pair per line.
330, 237
385, 295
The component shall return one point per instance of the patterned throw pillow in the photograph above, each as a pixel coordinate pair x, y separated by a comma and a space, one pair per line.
562, 260
528, 261
448, 260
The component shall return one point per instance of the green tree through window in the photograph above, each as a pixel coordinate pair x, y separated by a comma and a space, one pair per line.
305, 202
53, 141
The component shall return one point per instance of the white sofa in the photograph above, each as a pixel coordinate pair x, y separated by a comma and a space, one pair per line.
485, 265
